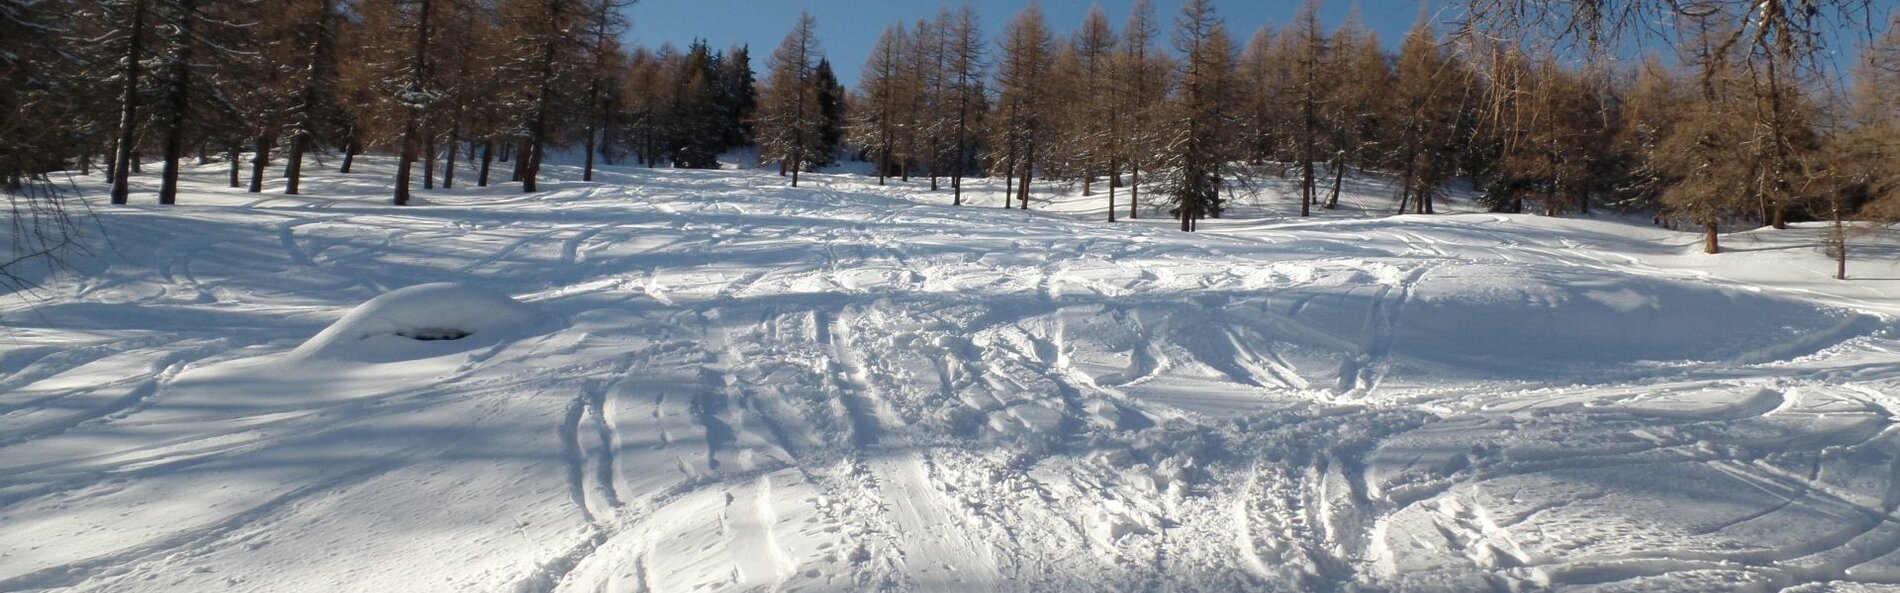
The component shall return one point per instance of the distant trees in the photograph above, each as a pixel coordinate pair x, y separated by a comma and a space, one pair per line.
1517, 102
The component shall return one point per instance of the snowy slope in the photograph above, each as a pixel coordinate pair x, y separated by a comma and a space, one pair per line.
689, 380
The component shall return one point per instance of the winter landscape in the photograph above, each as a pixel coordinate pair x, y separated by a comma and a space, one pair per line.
471, 296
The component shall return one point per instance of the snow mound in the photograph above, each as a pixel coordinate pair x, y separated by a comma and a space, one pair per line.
418, 322
1509, 320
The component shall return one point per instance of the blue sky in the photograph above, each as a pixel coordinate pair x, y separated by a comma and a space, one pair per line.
848, 28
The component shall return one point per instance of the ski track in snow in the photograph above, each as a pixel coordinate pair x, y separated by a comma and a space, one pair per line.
736, 386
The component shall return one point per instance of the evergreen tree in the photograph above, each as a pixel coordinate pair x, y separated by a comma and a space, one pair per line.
830, 97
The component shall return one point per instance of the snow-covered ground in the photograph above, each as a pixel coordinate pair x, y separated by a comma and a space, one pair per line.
685, 380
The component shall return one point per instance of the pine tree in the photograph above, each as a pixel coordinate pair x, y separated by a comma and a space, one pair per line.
316, 82
830, 96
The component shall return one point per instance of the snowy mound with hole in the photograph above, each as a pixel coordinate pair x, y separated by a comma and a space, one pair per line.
404, 323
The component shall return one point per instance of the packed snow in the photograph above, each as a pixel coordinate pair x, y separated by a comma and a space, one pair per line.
704, 380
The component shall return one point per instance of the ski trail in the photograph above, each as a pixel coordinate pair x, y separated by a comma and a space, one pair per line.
936, 546
1361, 373
845, 377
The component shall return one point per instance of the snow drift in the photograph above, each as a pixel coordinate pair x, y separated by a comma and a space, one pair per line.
402, 324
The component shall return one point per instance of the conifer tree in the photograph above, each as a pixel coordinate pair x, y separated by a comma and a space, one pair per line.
1142, 75
1201, 145
963, 38
1023, 104
876, 123
789, 123
1425, 118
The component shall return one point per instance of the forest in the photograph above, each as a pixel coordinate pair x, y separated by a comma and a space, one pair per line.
1728, 114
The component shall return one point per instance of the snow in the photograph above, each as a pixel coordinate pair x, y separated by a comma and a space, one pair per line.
398, 325
704, 380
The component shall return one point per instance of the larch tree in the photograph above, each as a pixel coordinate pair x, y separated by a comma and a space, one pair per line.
1201, 144
789, 122
1091, 115
1311, 83
1023, 105
876, 122
546, 60
1142, 76
1425, 117
316, 82
1648, 111
605, 24
964, 41
1359, 107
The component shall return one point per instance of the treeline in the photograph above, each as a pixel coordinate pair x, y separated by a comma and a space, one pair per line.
1179, 113
444, 84
1729, 130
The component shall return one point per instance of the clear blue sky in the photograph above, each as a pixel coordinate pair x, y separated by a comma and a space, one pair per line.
847, 29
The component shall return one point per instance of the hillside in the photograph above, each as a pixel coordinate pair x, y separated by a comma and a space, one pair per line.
703, 380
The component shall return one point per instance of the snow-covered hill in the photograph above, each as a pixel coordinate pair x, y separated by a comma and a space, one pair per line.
686, 380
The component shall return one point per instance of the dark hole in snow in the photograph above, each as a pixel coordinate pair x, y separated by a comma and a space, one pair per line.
430, 334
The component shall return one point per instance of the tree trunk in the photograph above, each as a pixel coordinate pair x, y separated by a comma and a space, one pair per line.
236, 169
1009, 186
1134, 192
1113, 178
405, 162
1840, 245
448, 170
1308, 191
428, 161
261, 161
293, 170
1022, 188
520, 148
1709, 243
349, 151
85, 161
129, 106
488, 154
587, 168
1339, 177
